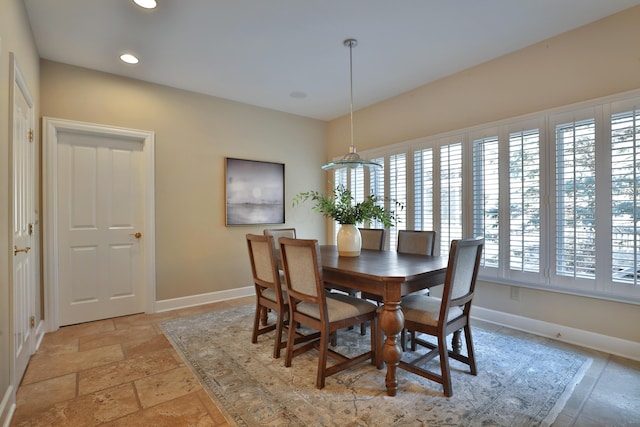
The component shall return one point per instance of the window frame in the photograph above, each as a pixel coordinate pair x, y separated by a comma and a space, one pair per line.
601, 110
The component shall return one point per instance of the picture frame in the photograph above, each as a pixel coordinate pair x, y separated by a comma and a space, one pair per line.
254, 192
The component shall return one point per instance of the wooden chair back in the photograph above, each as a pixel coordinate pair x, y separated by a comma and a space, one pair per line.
303, 272
277, 233
460, 281
373, 238
416, 242
263, 261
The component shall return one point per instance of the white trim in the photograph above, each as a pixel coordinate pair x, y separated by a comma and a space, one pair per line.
193, 300
51, 126
8, 401
604, 343
40, 331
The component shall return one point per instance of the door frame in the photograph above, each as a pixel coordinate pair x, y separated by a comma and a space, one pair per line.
51, 127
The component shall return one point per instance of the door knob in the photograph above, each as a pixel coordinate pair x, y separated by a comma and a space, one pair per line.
136, 235
16, 250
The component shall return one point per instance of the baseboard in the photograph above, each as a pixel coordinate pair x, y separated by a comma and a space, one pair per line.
607, 344
7, 407
193, 300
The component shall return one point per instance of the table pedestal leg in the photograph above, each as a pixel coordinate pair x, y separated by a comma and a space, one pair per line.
263, 316
456, 342
391, 322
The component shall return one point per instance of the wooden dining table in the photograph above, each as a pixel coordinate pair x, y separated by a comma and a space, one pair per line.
390, 275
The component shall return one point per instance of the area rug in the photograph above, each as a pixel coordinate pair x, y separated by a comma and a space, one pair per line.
519, 383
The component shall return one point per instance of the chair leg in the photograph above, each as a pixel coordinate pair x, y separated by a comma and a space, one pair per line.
293, 326
472, 359
278, 338
444, 365
414, 345
322, 359
403, 339
256, 324
380, 338
374, 342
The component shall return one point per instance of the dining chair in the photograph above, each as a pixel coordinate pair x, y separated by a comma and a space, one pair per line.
310, 305
277, 233
440, 317
373, 238
416, 242
269, 292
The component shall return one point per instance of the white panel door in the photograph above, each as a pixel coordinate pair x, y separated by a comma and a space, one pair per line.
100, 222
23, 289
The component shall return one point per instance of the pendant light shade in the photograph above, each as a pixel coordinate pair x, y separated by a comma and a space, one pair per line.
352, 159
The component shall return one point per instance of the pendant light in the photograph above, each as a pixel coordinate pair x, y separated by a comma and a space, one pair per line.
352, 159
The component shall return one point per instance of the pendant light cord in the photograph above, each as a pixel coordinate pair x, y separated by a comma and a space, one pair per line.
351, 43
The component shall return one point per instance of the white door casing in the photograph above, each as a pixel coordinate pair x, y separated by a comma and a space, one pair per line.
98, 195
23, 219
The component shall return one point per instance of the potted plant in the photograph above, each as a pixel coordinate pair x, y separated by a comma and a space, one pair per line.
342, 207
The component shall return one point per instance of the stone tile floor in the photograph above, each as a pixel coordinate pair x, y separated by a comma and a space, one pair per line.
124, 372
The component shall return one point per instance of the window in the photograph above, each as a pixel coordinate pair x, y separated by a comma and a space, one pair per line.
486, 197
556, 195
423, 189
575, 199
398, 193
376, 186
450, 195
524, 201
625, 198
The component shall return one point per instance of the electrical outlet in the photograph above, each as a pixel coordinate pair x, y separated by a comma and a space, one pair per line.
515, 293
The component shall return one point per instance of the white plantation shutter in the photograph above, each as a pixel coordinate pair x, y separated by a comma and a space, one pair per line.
534, 184
340, 178
376, 187
575, 199
524, 201
625, 197
486, 196
356, 184
423, 189
398, 193
450, 195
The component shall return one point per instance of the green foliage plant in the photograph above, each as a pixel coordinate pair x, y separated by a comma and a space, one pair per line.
341, 207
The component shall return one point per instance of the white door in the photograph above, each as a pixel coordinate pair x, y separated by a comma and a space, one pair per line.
99, 221
23, 178
100, 197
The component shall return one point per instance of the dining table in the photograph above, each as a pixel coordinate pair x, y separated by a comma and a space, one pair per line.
390, 275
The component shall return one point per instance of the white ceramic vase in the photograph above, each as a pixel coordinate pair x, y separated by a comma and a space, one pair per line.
349, 240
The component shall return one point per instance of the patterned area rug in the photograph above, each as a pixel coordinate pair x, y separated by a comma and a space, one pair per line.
519, 382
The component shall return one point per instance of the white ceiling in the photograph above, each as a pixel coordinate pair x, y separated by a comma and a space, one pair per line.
288, 55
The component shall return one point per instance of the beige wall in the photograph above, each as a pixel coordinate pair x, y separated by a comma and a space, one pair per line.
593, 61
195, 252
15, 36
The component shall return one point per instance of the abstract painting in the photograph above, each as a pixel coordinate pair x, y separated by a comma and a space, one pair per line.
254, 192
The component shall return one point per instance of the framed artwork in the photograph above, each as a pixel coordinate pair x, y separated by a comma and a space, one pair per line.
254, 192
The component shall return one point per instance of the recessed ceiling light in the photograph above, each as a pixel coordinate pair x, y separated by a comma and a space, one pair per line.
128, 58
147, 4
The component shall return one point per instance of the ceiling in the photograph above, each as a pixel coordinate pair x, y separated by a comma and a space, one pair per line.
288, 55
